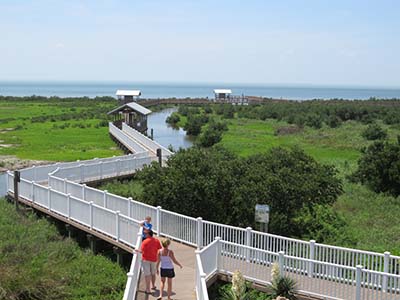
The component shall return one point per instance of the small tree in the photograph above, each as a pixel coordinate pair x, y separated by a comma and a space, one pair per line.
379, 167
374, 132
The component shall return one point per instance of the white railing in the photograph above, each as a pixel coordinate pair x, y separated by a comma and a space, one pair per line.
327, 280
101, 170
97, 217
116, 217
201, 283
125, 139
145, 141
134, 272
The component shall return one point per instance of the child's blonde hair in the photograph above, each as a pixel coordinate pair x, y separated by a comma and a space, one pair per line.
165, 242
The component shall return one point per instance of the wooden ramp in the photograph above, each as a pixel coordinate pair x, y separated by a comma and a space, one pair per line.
183, 285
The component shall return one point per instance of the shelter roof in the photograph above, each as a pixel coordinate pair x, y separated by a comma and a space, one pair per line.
135, 93
222, 91
132, 105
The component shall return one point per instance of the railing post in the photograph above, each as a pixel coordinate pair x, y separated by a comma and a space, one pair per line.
358, 281
118, 164
218, 253
386, 270
105, 195
33, 191
49, 198
158, 220
91, 214
68, 206
83, 191
310, 270
117, 225
281, 262
65, 185
199, 232
82, 168
248, 243
129, 207
159, 155
34, 172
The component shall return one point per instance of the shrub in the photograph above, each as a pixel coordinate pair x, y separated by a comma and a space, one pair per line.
284, 286
212, 134
197, 179
374, 132
379, 167
173, 119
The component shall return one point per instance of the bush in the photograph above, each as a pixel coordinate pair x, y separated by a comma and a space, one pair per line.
197, 179
212, 134
379, 167
37, 263
173, 119
374, 132
283, 286
194, 124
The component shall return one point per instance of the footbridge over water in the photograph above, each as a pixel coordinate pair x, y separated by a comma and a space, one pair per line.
206, 249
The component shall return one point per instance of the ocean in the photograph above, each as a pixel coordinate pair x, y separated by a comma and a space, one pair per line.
164, 90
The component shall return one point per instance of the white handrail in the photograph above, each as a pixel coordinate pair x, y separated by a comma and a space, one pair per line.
134, 271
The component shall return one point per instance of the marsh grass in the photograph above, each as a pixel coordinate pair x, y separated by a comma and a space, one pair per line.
37, 263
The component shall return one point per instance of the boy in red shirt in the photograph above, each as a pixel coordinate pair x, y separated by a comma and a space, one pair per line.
149, 250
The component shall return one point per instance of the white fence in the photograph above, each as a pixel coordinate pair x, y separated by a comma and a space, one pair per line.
327, 280
250, 250
147, 142
109, 222
134, 272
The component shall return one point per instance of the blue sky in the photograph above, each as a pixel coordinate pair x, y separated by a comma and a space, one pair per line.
320, 42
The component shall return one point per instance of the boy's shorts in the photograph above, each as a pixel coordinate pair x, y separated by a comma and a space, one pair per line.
149, 267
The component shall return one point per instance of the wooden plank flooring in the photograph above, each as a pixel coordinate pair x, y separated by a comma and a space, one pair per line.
183, 286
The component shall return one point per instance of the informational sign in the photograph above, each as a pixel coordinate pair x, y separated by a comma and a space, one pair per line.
262, 213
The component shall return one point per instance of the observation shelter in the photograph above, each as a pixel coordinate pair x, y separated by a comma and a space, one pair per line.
129, 111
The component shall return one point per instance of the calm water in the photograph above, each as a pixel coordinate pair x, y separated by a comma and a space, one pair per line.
153, 90
166, 135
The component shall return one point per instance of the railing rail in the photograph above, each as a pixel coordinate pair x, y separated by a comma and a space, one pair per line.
147, 142
125, 139
134, 272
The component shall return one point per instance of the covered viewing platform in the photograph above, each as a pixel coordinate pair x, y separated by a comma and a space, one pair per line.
132, 114
226, 96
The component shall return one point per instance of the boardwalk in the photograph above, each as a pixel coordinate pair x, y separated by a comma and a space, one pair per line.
324, 271
183, 284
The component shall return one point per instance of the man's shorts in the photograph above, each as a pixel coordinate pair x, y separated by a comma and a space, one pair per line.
149, 267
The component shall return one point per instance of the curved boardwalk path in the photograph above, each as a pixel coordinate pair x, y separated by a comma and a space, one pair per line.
183, 284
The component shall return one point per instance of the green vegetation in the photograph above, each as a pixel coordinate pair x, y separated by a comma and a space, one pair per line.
56, 129
374, 132
37, 263
333, 132
294, 184
379, 167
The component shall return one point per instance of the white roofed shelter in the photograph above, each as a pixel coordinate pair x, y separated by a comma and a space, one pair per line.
222, 94
133, 114
126, 96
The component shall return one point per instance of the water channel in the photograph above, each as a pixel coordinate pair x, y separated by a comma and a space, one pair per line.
165, 134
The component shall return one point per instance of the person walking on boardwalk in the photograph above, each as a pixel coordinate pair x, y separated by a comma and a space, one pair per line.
149, 250
167, 259
146, 224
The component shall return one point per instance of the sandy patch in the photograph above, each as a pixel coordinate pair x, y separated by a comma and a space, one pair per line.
10, 162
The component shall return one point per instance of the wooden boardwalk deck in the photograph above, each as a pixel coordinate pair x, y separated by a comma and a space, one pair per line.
183, 286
